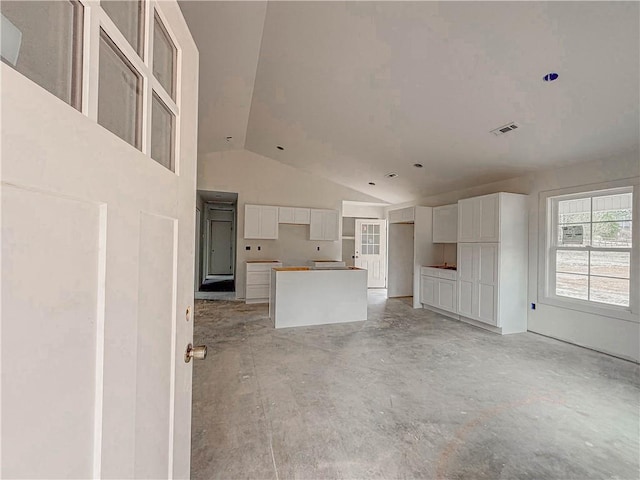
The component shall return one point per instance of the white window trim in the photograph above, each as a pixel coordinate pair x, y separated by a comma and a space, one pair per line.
545, 270
95, 18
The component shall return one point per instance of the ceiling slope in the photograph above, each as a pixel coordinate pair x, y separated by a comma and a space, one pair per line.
356, 90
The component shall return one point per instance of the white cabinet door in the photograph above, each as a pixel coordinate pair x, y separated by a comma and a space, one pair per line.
323, 224
427, 290
252, 214
466, 220
479, 219
488, 218
446, 295
315, 225
286, 214
301, 216
260, 222
269, 222
445, 224
487, 282
294, 215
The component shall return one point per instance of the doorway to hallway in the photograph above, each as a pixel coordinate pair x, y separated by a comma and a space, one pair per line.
215, 259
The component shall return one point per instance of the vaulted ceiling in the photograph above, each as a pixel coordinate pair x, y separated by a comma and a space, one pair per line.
355, 90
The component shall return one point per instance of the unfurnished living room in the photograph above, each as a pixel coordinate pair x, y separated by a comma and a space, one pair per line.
290, 239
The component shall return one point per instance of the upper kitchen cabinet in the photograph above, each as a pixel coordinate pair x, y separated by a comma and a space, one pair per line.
445, 224
294, 215
260, 222
402, 215
323, 224
479, 218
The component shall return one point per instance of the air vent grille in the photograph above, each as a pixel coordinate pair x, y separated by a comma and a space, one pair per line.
505, 128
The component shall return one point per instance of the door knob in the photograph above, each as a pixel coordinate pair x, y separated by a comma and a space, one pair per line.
199, 353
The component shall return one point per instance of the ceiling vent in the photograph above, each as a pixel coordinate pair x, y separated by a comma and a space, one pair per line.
505, 128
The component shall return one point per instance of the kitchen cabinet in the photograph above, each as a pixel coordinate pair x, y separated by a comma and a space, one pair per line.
294, 215
323, 224
445, 224
492, 261
258, 280
402, 215
438, 288
260, 222
478, 282
478, 218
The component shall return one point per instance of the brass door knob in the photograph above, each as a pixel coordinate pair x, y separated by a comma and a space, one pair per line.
199, 353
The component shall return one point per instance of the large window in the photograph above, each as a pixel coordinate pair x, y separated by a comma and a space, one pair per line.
590, 248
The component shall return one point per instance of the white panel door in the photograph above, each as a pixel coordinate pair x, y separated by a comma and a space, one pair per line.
221, 254
97, 274
371, 250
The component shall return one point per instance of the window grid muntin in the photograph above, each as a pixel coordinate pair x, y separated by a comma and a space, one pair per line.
95, 19
554, 232
140, 87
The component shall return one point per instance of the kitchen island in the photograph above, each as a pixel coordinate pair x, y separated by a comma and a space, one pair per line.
301, 296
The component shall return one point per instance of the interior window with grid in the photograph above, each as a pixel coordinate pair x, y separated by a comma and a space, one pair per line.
591, 246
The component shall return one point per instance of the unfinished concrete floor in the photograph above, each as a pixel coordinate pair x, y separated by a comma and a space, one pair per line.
406, 394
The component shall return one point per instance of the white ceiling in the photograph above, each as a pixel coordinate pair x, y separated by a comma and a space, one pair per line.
356, 90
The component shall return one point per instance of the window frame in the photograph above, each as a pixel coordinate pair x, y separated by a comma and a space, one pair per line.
95, 20
548, 231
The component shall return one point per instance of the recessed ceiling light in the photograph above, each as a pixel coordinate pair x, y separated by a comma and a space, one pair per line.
418, 165
391, 175
279, 147
550, 77
371, 183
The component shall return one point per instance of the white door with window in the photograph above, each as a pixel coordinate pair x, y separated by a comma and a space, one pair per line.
371, 250
98, 203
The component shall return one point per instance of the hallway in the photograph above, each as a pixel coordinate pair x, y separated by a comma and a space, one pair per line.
406, 394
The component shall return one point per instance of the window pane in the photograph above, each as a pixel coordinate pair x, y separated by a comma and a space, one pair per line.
43, 41
375, 250
119, 93
127, 15
162, 133
612, 234
574, 235
574, 286
610, 290
572, 262
611, 264
164, 54
612, 207
574, 211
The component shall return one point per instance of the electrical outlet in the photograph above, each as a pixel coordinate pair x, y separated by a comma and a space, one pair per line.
259, 247
533, 306
318, 248
248, 247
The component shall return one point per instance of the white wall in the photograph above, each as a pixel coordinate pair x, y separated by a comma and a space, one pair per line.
263, 181
606, 334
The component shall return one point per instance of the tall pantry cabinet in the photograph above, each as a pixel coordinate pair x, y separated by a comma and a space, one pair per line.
492, 261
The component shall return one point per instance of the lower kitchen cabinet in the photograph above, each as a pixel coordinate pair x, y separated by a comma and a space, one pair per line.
478, 281
258, 281
438, 288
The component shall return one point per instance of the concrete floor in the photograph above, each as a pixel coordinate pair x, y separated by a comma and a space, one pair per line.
406, 394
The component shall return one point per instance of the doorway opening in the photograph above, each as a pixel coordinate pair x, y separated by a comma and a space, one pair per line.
216, 244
